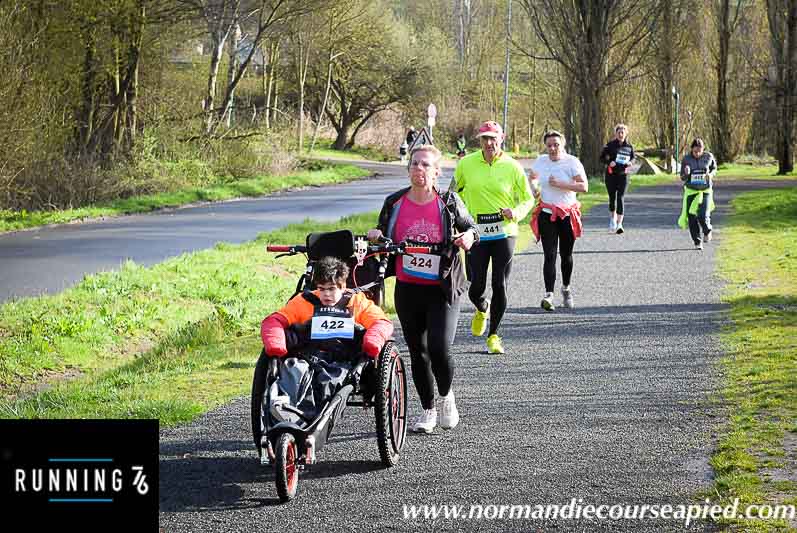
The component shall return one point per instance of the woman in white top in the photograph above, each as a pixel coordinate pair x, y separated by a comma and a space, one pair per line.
556, 177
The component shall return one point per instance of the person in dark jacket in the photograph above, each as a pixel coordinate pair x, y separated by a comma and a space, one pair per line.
429, 286
617, 155
411, 135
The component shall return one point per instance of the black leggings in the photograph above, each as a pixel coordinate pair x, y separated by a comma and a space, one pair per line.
428, 323
616, 184
556, 234
501, 252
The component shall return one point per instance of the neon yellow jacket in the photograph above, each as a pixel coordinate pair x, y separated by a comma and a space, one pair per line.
487, 189
683, 220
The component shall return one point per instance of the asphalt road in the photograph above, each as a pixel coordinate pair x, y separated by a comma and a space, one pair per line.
609, 403
50, 259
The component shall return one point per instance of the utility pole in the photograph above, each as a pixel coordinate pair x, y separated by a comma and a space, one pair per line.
506, 67
677, 96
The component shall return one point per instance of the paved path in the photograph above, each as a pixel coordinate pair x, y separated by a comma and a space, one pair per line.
609, 403
50, 259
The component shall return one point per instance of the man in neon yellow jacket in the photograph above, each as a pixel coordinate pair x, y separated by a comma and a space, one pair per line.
497, 194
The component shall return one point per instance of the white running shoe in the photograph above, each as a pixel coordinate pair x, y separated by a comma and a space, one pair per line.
449, 416
567, 298
699, 246
547, 302
426, 422
620, 229
612, 225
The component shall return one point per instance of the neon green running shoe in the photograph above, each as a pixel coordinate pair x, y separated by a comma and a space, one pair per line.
479, 323
494, 344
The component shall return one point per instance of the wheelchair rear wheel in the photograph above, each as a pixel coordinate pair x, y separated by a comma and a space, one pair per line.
390, 404
287, 468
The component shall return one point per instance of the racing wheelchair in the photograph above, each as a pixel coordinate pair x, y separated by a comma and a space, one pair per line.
290, 435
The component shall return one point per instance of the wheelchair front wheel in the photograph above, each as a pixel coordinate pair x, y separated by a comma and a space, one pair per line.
390, 404
287, 467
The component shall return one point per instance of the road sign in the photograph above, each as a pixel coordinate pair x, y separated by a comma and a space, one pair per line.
431, 111
423, 137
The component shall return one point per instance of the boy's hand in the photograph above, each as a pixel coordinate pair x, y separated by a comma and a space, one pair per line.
373, 234
371, 348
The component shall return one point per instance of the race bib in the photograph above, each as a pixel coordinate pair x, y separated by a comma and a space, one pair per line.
426, 266
622, 159
698, 177
491, 227
332, 327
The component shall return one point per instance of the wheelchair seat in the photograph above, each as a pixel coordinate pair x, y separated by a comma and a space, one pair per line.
338, 244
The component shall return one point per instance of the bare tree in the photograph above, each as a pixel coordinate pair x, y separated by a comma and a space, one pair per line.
337, 18
782, 15
727, 16
593, 40
221, 17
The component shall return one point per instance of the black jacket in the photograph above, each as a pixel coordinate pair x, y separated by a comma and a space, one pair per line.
456, 219
609, 154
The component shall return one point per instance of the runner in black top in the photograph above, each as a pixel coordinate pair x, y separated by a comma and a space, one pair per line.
617, 155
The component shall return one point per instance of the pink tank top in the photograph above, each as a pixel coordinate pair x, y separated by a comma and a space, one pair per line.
421, 224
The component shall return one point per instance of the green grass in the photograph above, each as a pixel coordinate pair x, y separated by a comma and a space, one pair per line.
316, 175
758, 258
171, 341
323, 149
733, 171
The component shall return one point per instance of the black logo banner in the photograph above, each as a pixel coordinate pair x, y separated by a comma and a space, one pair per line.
80, 474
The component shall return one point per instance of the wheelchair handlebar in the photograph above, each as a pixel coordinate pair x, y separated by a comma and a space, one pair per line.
385, 246
286, 248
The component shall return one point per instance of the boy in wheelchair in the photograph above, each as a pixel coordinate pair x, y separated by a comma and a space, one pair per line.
320, 334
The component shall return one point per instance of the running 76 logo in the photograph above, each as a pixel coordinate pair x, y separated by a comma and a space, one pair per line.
140, 480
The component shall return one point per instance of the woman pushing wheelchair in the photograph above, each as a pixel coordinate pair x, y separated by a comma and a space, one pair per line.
428, 286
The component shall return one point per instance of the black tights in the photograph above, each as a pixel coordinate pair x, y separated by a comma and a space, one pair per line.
428, 323
555, 235
501, 252
616, 184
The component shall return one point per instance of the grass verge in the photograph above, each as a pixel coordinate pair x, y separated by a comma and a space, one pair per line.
169, 342
756, 460
318, 174
324, 149
733, 171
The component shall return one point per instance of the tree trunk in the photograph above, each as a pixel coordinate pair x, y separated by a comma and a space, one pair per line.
786, 151
215, 59
591, 129
85, 116
270, 84
343, 135
722, 133
134, 60
569, 108
232, 68
350, 143
666, 116
323, 110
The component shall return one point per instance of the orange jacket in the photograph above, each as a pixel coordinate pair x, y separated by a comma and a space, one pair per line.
298, 311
